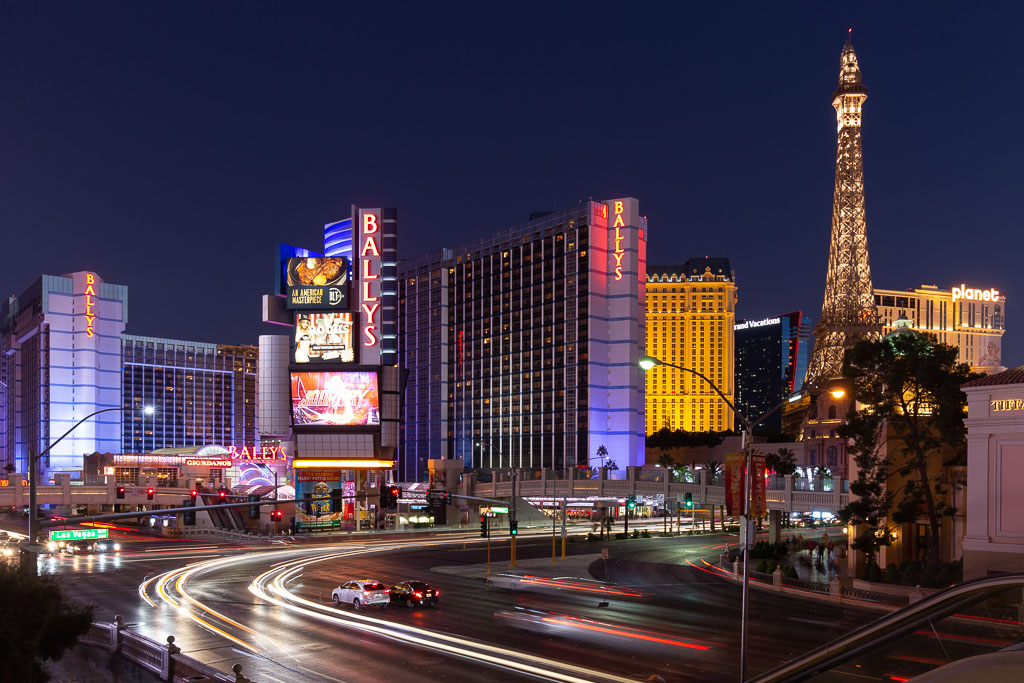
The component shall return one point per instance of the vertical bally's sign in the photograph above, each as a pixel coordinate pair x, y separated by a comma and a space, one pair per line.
618, 235
90, 301
369, 283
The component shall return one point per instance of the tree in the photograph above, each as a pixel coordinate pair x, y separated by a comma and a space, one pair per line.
665, 460
714, 468
39, 623
612, 466
910, 387
602, 453
783, 462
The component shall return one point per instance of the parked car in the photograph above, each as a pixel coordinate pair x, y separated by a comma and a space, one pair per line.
360, 593
412, 593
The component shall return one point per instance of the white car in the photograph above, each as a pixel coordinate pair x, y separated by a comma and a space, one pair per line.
360, 593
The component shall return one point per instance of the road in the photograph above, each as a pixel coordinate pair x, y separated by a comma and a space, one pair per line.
662, 617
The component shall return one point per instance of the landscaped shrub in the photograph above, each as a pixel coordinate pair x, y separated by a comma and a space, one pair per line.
645, 534
789, 572
591, 537
873, 572
636, 534
762, 566
892, 574
622, 535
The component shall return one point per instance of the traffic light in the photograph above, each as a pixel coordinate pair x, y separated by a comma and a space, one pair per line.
513, 528
254, 510
150, 492
193, 494
222, 493
120, 492
483, 526
689, 501
631, 502
337, 502
396, 493
277, 514
189, 516
447, 498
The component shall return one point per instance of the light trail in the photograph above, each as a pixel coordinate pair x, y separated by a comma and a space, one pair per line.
270, 587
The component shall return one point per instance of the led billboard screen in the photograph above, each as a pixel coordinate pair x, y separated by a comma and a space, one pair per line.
324, 337
317, 282
329, 398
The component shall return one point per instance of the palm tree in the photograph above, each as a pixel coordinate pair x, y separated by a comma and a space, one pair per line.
714, 468
665, 460
602, 453
612, 466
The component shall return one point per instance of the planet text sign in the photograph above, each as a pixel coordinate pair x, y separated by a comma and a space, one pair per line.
78, 534
965, 292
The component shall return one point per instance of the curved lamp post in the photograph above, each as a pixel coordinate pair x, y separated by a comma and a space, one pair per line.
649, 362
33, 481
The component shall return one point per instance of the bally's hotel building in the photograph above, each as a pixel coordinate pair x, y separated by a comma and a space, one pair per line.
64, 355
522, 347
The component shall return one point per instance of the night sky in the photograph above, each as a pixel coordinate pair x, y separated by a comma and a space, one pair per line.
170, 146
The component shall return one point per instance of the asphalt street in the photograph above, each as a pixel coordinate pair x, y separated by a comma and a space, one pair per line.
661, 617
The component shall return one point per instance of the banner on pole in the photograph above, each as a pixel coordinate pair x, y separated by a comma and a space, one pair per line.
735, 466
759, 503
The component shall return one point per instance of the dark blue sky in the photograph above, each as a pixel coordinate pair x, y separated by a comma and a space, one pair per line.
170, 146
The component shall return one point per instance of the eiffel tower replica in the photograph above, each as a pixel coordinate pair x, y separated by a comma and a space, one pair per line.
848, 313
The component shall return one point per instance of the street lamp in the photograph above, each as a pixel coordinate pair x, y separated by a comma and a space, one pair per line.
513, 527
33, 482
648, 362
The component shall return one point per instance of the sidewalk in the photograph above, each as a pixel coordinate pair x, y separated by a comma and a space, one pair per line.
573, 566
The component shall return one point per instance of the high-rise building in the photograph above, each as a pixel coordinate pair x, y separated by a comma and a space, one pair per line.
60, 361
966, 317
522, 347
771, 360
201, 394
691, 310
64, 356
848, 311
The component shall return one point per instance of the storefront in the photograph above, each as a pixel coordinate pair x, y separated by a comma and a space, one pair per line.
994, 542
208, 466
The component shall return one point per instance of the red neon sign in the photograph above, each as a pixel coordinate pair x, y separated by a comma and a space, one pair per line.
369, 280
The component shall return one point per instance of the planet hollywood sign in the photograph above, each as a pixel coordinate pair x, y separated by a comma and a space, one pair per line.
968, 294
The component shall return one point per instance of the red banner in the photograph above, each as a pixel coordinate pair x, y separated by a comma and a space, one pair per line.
759, 504
735, 464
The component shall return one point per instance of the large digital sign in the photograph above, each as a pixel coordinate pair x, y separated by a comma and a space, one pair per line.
335, 398
317, 282
324, 337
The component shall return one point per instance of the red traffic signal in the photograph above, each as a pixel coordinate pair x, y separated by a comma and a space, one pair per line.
120, 492
193, 494
277, 514
150, 492
222, 493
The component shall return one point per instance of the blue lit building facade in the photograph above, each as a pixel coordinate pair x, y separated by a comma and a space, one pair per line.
60, 360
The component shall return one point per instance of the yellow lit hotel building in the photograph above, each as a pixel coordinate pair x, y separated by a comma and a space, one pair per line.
690, 314
967, 317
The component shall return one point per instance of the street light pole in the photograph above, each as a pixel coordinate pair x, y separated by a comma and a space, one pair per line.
648, 362
512, 506
28, 557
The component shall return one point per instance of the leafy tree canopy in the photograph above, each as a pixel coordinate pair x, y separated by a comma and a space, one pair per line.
39, 623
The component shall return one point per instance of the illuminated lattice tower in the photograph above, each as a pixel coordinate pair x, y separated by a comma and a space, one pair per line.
848, 313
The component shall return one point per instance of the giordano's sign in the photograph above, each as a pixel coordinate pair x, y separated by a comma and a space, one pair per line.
1003, 405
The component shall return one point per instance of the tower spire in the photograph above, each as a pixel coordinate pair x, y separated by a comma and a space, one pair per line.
848, 312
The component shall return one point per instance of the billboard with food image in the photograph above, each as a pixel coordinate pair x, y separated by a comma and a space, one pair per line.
324, 338
317, 282
335, 398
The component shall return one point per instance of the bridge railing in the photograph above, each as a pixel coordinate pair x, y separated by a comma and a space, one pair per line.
164, 660
787, 498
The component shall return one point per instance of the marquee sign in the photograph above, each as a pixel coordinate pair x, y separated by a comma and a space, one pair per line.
257, 453
207, 462
369, 277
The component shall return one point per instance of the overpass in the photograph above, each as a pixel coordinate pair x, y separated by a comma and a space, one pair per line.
783, 493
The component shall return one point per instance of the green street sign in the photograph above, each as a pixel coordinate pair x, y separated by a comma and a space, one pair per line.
78, 534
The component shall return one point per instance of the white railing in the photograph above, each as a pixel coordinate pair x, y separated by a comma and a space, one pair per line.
166, 661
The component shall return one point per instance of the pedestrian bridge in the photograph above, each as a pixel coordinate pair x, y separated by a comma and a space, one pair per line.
15, 493
786, 493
